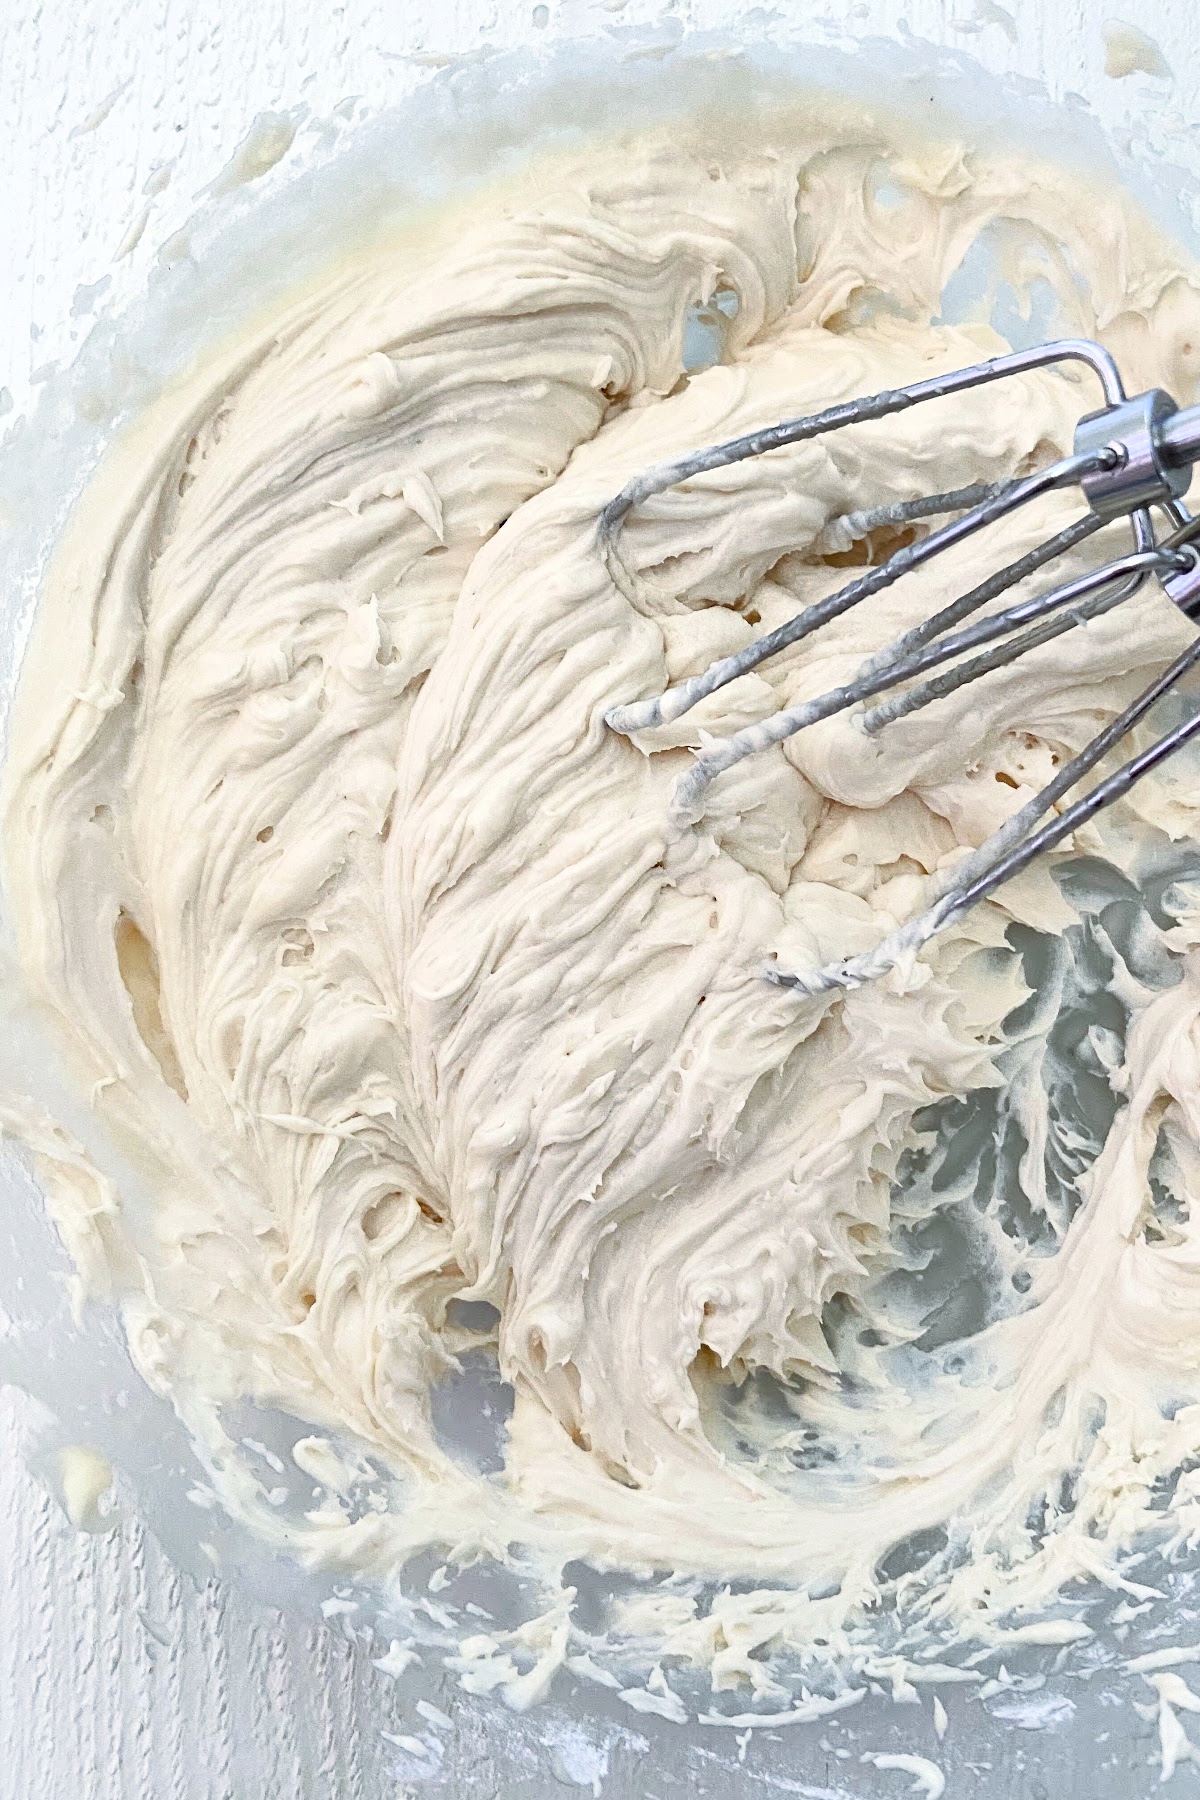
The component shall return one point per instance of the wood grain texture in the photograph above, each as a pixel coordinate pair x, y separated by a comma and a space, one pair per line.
121, 1679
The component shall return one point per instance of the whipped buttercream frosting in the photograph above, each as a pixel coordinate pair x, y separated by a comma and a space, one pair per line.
375, 951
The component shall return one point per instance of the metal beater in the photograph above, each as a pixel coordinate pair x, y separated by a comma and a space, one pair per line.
1130, 456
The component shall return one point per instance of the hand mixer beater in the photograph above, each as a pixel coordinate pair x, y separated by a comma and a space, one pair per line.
1129, 457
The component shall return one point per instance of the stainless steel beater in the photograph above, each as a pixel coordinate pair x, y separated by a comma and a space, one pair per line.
1130, 456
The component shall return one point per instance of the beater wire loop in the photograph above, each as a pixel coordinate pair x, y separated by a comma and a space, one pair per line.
1016, 844
690, 789
1132, 455
1001, 501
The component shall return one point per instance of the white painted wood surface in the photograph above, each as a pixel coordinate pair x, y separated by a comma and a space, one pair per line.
119, 1678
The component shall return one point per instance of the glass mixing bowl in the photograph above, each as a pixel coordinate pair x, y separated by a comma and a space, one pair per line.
169, 174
